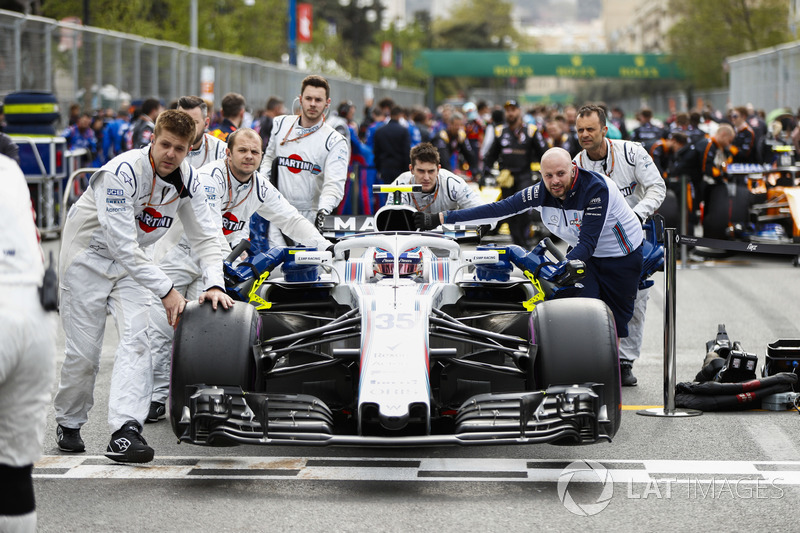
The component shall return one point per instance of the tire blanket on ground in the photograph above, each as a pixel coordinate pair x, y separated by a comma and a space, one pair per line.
714, 396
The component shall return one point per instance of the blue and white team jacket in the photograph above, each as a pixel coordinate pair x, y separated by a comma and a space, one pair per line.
594, 218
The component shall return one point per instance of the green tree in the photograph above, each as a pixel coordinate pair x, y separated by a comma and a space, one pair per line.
223, 25
333, 52
710, 31
356, 24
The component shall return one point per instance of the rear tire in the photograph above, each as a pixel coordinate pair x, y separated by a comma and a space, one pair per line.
716, 213
722, 210
577, 343
212, 348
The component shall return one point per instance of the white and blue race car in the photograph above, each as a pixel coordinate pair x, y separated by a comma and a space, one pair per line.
398, 338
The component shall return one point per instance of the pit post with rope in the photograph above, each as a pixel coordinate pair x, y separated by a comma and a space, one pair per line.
670, 368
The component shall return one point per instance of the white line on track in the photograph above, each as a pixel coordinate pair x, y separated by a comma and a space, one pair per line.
380, 469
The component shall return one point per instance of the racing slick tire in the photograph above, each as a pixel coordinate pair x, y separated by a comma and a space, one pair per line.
670, 210
577, 343
212, 348
722, 210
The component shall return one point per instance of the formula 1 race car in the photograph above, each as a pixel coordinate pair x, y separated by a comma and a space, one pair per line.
398, 338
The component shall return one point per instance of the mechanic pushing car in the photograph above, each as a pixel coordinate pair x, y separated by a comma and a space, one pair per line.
586, 210
178, 265
235, 190
441, 189
105, 265
629, 166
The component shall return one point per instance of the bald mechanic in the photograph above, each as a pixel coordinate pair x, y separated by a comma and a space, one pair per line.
586, 210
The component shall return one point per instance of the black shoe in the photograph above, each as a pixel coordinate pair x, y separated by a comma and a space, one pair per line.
128, 446
626, 374
157, 412
69, 440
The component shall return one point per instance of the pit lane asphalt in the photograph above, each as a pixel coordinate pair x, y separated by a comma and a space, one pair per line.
757, 297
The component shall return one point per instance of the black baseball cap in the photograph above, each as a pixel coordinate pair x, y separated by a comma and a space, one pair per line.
511, 103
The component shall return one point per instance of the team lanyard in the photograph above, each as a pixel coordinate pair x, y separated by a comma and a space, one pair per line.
205, 156
613, 159
426, 206
230, 190
305, 132
153, 187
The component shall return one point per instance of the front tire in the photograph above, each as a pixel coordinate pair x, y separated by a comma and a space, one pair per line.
577, 343
212, 348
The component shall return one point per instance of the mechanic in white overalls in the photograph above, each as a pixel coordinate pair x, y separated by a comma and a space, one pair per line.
311, 157
106, 265
27, 351
441, 189
235, 191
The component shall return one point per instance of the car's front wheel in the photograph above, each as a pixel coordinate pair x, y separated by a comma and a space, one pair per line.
212, 348
576, 343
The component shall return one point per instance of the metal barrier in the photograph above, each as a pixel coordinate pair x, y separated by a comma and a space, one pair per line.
66, 193
70, 60
46, 183
768, 78
45, 176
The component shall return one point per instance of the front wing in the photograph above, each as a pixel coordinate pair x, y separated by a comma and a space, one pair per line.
225, 416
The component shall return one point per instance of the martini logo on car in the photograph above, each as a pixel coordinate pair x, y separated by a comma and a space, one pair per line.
295, 164
150, 219
231, 224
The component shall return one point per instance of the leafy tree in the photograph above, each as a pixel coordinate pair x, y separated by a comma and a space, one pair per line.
357, 22
224, 25
361, 58
708, 32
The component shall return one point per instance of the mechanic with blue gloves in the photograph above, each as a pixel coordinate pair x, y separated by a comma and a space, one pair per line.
586, 210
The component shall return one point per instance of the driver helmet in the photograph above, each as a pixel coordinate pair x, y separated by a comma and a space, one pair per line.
409, 263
